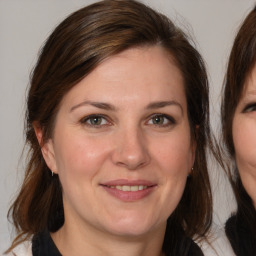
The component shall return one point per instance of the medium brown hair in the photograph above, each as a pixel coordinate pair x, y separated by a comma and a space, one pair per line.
73, 50
241, 62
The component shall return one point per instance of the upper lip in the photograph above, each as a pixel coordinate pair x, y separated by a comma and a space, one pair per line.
124, 182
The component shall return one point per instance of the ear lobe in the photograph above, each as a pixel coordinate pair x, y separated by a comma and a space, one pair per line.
49, 155
47, 148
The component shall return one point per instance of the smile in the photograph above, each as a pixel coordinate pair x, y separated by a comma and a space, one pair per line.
129, 191
129, 188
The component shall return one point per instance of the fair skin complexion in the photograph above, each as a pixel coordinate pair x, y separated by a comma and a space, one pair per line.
122, 149
244, 136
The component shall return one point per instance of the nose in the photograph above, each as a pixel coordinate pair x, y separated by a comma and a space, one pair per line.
131, 150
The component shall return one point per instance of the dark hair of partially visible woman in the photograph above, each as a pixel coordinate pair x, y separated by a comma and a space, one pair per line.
241, 228
74, 49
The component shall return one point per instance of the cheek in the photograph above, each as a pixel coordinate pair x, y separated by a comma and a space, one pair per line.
176, 154
175, 163
244, 137
78, 155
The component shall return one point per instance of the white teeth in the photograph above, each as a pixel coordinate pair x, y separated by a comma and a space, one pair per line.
134, 188
129, 188
126, 188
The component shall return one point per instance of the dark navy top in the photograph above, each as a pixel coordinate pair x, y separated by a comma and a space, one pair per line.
43, 245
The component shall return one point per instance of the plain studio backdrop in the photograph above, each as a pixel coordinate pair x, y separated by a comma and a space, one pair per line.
24, 26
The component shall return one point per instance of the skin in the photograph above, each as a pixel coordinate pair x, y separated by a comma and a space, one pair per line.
244, 136
128, 142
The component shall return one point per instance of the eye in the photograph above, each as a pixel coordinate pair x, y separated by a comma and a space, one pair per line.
249, 108
95, 121
161, 120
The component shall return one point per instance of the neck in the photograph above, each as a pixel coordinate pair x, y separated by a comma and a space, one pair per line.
74, 240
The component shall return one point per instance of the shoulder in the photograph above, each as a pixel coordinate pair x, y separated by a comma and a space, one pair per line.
240, 230
218, 244
23, 249
231, 224
195, 250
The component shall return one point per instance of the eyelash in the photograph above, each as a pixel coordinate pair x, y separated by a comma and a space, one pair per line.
168, 120
85, 121
249, 108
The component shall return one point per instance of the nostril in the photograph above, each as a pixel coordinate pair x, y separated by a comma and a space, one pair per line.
132, 165
131, 150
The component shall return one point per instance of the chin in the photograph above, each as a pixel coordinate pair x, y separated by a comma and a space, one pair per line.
133, 227
124, 231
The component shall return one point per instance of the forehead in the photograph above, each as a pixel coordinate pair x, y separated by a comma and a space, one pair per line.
145, 73
149, 58
249, 88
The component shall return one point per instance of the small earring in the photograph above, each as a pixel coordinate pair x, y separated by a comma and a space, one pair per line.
52, 173
189, 175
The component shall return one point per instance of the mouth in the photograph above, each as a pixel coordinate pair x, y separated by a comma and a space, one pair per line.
129, 190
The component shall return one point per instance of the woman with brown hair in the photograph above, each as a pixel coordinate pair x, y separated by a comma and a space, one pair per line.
238, 127
117, 127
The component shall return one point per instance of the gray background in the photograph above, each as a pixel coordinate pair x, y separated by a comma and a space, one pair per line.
25, 24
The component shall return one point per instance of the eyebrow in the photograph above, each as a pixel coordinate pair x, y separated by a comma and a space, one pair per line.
251, 92
107, 106
162, 104
246, 97
100, 105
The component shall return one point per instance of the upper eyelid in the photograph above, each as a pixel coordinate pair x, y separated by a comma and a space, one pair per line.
85, 118
248, 105
161, 114
169, 117
110, 120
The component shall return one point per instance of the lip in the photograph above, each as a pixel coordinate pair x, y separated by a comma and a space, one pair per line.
124, 182
129, 196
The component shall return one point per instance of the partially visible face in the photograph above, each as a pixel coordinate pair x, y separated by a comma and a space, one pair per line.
244, 136
122, 145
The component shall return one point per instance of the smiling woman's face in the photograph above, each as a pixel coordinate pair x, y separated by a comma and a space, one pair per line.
122, 146
244, 136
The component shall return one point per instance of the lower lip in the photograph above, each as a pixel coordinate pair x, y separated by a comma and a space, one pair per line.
129, 196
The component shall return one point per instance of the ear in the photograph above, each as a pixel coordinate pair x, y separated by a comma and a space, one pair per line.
47, 148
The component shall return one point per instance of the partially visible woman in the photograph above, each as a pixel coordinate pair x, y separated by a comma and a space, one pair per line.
117, 127
239, 132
